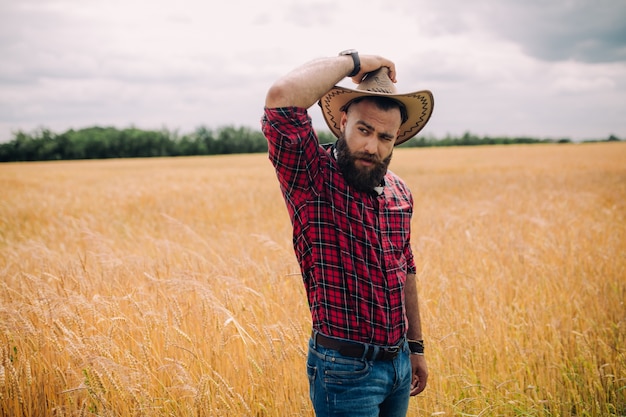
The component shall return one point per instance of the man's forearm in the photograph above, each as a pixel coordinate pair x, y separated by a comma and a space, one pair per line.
306, 84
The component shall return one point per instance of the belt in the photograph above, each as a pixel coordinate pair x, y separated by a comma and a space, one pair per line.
356, 349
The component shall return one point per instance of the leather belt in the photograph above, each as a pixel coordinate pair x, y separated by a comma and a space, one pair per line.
356, 349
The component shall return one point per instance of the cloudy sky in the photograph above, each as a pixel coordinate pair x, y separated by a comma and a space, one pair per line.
542, 68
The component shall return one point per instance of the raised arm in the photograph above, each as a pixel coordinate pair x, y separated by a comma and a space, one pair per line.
306, 84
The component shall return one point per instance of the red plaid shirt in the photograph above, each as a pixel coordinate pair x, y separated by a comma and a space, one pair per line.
353, 247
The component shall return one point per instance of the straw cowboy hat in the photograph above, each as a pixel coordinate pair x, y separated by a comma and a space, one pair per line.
418, 105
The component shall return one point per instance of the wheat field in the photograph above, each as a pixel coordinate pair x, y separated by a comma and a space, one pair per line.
169, 287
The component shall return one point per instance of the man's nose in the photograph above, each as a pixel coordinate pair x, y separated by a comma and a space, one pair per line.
371, 146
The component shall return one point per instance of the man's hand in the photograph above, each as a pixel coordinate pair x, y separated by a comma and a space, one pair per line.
370, 63
420, 374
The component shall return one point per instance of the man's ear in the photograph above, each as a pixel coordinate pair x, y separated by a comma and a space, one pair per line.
344, 121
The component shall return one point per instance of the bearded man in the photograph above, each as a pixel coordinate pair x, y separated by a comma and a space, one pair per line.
351, 230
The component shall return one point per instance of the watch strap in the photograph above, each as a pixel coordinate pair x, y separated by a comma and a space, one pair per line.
355, 59
416, 347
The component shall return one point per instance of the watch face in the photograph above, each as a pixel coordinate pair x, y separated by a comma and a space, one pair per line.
348, 52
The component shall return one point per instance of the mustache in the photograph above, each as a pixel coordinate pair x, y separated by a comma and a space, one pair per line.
366, 157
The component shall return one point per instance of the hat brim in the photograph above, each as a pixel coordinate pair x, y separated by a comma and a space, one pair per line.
419, 107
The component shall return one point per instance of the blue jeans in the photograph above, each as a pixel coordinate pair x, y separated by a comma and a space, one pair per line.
343, 386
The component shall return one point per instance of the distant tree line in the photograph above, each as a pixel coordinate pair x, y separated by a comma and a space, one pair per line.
109, 142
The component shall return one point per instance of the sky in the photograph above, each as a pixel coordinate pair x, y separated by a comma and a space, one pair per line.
539, 68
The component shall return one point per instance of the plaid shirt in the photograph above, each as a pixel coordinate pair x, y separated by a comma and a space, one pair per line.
353, 247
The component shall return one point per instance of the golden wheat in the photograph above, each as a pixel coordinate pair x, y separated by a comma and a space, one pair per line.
169, 286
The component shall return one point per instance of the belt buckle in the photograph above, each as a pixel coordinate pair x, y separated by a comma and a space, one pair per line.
393, 351
389, 353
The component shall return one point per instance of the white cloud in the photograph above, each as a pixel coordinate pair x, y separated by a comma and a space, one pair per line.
579, 78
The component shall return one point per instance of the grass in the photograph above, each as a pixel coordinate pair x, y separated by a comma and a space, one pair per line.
169, 286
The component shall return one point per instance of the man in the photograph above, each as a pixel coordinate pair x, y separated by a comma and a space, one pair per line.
351, 230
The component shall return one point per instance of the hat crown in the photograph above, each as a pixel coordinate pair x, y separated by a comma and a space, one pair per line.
377, 82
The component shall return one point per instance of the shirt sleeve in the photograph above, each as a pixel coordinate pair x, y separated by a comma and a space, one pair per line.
293, 148
408, 251
410, 260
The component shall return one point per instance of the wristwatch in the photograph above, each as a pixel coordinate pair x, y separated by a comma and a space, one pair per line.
355, 58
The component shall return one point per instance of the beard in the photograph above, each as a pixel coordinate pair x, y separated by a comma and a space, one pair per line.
363, 179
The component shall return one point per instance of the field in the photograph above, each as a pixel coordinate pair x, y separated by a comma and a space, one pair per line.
169, 287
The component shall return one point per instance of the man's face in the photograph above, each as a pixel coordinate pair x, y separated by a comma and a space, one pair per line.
365, 147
